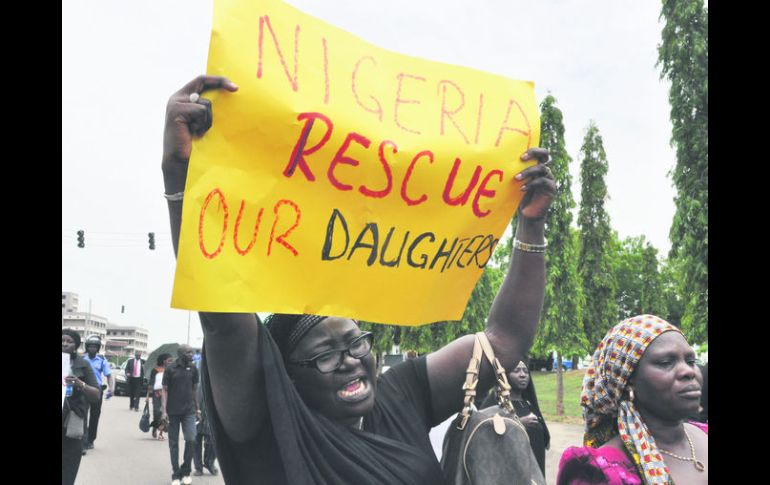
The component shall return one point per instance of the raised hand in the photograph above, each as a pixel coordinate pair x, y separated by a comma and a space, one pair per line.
539, 186
188, 116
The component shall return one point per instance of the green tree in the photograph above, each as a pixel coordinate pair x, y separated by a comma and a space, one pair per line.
672, 281
595, 261
640, 286
683, 57
561, 325
653, 299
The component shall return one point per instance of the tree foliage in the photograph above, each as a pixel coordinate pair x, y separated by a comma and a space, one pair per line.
683, 57
640, 286
561, 324
595, 261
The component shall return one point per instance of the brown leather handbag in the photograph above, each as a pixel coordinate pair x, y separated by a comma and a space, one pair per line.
490, 446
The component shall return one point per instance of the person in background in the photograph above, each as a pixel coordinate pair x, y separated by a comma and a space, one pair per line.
134, 379
155, 389
179, 407
84, 391
205, 454
640, 388
524, 400
101, 367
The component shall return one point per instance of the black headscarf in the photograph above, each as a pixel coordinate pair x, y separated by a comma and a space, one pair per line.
287, 329
75, 336
77, 401
306, 447
530, 396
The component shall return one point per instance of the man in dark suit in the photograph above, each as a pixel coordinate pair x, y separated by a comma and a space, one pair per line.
134, 378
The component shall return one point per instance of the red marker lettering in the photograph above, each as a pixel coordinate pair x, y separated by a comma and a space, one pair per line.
378, 110
340, 157
444, 113
265, 20
483, 192
298, 153
399, 100
423, 197
223, 204
281, 239
240, 251
504, 128
462, 198
388, 174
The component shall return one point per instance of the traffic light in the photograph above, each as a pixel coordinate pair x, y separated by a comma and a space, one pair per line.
81, 239
151, 236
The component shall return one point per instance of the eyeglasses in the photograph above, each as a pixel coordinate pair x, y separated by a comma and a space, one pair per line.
331, 360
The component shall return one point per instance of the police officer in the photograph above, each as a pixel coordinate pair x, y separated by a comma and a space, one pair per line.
100, 367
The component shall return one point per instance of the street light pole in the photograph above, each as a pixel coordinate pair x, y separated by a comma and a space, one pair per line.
188, 327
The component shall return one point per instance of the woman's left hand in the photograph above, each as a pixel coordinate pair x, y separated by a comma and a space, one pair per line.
529, 419
539, 185
76, 383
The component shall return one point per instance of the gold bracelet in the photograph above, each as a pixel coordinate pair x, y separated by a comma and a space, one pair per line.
530, 248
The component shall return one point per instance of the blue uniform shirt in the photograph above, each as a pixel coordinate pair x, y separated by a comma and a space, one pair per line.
100, 366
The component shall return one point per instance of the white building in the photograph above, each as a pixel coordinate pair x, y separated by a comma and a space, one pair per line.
69, 302
127, 339
86, 324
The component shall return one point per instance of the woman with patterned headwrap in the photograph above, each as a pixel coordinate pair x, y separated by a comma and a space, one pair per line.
637, 393
297, 400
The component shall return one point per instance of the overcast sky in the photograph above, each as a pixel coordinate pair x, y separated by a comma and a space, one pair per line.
122, 60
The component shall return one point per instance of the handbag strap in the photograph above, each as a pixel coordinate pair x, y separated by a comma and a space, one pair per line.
471, 381
502, 387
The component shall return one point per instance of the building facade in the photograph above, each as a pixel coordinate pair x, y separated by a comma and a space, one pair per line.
125, 340
69, 302
86, 324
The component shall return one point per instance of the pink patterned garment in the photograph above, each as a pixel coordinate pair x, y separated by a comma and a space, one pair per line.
594, 466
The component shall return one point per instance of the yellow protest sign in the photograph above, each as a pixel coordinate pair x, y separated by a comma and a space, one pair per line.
343, 179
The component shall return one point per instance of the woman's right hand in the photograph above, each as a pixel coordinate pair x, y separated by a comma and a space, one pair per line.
185, 120
529, 419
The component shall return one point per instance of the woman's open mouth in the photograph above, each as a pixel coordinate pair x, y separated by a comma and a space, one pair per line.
355, 390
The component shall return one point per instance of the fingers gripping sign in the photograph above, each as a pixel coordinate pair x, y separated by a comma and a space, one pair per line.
539, 185
189, 115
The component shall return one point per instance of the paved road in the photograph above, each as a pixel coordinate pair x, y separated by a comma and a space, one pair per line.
123, 455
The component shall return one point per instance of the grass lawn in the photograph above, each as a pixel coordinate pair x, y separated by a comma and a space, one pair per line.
545, 385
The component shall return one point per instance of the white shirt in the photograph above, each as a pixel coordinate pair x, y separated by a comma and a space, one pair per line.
158, 384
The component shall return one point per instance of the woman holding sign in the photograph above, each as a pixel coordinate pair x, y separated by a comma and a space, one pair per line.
296, 400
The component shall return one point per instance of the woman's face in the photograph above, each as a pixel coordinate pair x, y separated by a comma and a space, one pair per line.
168, 361
342, 395
666, 382
519, 376
67, 344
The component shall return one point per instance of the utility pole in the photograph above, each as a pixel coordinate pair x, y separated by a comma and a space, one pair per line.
88, 321
188, 327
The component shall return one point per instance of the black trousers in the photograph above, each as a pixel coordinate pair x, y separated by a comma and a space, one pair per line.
94, 411
134, 389
70, 458
207, 455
